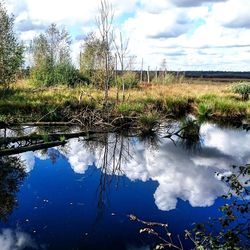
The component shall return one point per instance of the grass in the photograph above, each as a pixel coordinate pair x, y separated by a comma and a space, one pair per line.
26, 102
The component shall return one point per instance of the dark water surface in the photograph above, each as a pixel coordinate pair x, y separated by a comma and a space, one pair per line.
78, 196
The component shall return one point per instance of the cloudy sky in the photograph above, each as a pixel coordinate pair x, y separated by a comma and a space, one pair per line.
189, 34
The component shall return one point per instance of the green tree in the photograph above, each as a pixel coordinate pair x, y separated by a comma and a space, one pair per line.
51, 61
91, 60
11, 51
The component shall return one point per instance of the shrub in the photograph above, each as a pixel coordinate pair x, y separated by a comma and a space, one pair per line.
60, 74
148, 121
168, 79
129, 79
128, 108
243, 89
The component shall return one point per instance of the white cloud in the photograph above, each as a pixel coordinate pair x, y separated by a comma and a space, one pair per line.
235, 14
155, 28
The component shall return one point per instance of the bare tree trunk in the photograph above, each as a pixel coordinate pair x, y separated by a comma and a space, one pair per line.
141, 70
148, 74
117, 86
105, 25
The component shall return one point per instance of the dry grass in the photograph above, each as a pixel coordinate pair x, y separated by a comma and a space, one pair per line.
171, 99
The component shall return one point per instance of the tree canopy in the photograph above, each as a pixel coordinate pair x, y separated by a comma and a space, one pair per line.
11, 51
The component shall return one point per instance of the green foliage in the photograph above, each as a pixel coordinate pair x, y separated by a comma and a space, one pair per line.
204, 110
51, 59
11, 51
243, 89
128, 80
168, 78
128, 108
96, 61
177, 106
148, 121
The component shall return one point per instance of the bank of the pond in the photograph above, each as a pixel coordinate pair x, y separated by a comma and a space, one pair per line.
143, 106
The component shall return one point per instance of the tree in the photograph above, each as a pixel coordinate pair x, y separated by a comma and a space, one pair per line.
121, 52
91, 60
104, 22
51, 57
11, 51
96, 59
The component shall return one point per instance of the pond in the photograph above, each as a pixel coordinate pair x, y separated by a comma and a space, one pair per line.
79, 195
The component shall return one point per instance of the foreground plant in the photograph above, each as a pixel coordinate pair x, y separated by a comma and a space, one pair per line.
243, 89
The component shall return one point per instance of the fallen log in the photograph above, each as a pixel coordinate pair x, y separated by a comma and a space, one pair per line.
44, 137
14, 151
38, 124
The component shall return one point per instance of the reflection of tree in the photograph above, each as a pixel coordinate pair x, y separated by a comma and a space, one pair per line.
115, 151
186, 134
190, 134
151, 140
11, 175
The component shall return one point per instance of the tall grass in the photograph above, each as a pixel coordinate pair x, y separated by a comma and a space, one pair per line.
27, 102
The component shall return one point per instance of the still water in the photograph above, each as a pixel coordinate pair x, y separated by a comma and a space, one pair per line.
79, 196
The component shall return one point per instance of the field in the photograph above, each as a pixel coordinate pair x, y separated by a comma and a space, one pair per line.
25, 102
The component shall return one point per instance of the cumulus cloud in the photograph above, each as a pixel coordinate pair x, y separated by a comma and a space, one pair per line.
153, 27
16, 240
192, 3
235, 14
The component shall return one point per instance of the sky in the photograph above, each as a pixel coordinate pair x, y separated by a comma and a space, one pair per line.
188, 34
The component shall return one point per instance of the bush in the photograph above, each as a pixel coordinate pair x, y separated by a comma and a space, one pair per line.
167, 79
60, 74
243, 89
129, 79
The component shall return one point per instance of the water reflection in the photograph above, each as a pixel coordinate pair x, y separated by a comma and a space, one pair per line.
16, 240
180, 173
11, 176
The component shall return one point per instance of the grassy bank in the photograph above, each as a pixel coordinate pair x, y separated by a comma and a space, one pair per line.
146, 104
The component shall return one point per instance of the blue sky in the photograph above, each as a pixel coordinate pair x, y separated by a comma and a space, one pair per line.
189, 34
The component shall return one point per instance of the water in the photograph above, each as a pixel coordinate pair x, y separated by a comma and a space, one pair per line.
79, 196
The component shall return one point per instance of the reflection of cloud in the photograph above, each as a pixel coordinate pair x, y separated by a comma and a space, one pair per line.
231, 142
181, 178
29, 161
15, 240
181, 174
78, 157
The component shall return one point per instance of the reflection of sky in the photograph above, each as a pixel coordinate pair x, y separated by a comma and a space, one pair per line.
180, 174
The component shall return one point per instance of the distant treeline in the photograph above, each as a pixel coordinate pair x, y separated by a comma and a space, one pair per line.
196, 74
